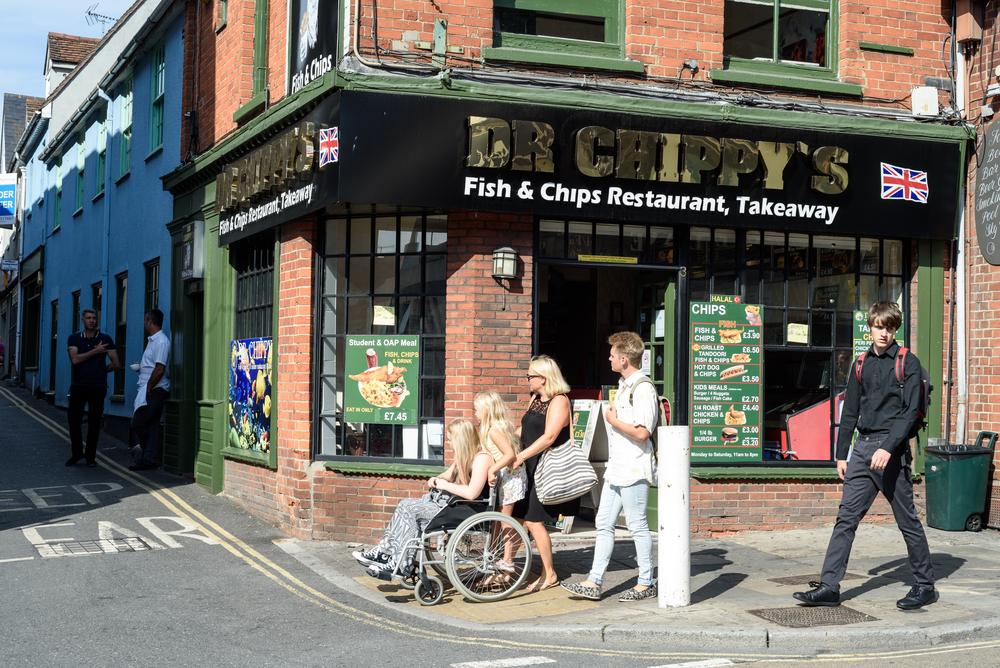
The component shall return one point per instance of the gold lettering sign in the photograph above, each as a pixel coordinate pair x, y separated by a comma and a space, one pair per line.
775, 155
637, 155
489, 142
828, 160
701, 154
589, 141
739, 156
533, 147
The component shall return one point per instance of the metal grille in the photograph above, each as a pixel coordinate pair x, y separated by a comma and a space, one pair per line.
806, 579
85, 547
799, 617
253, 261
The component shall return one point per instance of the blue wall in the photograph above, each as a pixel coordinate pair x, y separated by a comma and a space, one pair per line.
119, 231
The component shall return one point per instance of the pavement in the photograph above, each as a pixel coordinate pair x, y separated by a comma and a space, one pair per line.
730, 578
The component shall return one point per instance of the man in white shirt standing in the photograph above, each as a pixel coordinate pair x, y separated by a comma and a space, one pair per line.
153, 389
630, 422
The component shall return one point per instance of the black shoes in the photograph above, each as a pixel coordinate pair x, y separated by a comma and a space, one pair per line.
918, 597
72, 461
820, 595
91, 463
144, 466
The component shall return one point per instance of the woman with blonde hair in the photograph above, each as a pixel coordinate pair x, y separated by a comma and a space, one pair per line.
465, 478
545, 424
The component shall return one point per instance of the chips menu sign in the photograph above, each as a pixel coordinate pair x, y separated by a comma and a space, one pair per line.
383, 379
726, 380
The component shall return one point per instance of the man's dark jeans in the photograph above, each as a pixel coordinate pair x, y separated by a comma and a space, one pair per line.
146, 424
92, 397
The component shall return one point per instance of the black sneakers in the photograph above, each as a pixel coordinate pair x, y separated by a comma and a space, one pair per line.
370, 557
821, 595
918, 597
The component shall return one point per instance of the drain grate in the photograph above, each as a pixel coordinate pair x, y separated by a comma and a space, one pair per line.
85, 547
800, 617
806, 579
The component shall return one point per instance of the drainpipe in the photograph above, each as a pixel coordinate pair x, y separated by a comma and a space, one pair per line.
960, 271
106, 246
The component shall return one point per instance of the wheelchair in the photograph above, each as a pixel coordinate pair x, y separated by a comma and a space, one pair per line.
463, 543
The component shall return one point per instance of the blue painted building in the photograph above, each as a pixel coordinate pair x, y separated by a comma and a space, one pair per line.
96, 211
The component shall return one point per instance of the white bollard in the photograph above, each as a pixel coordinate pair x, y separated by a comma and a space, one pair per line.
674, 502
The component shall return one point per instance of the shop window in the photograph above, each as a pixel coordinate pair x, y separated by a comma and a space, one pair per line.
383, 275
121, 331
32, 324
561, 239
586, 33
810, 286
253, 261
152, 296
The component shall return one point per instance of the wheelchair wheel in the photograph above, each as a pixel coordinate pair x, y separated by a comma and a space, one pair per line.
409, 581
429, 590
476, 556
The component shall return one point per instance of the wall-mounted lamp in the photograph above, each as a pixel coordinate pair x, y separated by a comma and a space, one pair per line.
504, 267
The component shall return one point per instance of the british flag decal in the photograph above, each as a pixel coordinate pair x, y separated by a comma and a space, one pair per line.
905, 184
329, 146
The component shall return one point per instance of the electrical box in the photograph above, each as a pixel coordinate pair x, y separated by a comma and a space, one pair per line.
967, 25
925, 101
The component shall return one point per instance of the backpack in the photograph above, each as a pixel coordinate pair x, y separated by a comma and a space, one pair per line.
924, 400
662, 403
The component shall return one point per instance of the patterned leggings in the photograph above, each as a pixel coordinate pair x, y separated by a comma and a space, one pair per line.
404, 525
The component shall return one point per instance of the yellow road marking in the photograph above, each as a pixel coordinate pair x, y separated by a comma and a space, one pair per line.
277, 574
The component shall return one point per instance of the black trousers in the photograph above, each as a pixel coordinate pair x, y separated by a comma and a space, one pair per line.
91, 397
861, 486
146, 424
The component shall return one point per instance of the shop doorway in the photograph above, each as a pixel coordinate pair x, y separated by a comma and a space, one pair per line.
580, 304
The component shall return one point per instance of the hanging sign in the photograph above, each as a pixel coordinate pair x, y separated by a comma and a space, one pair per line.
313, 40
988, 195
726, 380
8, 200
383, 379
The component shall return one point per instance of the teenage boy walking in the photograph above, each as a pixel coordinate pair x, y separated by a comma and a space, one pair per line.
630, 421
884, 412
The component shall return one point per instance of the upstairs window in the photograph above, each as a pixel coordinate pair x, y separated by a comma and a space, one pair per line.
157, 86
778, 31
81, 168
585, 33
125, 145
102, 157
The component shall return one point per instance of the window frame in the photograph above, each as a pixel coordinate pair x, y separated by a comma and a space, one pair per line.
96, 298
81, 171
779, 74
254, 262
121, 331
102, 157
157, 92
126, 97
346, 293
75, 322
560, 51
58, 204
151, 287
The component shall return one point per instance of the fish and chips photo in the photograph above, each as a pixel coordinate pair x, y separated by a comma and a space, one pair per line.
382, 386
741, 358
730, 335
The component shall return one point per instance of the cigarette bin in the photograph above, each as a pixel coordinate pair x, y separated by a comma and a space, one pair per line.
956, 483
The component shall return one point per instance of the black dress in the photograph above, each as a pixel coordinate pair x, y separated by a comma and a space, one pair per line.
530, 508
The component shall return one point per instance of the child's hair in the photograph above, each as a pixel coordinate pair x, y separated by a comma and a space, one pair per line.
630, 345
546, 367
886, 314
493, 414
465, 444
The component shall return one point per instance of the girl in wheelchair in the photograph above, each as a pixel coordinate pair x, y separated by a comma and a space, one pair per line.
465, 478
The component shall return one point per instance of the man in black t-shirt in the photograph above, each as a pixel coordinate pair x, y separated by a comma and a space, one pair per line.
89, 352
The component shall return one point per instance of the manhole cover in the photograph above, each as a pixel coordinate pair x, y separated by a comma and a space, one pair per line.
83, 547
801, 617
806, 579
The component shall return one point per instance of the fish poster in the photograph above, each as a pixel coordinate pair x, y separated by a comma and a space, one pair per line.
250, 395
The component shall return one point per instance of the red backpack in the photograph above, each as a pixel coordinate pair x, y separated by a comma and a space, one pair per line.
925, 386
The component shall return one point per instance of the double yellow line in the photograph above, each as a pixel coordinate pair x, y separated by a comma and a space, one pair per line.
277, 574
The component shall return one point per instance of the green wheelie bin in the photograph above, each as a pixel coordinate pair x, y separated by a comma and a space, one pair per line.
956, 483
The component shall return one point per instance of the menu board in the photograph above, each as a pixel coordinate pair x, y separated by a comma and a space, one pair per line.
383, 379
863, 333
726, 380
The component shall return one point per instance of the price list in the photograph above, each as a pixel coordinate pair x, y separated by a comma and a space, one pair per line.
726, 380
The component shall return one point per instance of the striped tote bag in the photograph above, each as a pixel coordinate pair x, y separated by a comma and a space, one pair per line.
563, 474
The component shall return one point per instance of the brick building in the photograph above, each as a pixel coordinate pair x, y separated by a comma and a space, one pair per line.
352, 176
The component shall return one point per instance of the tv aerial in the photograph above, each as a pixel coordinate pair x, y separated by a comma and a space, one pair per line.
94, 18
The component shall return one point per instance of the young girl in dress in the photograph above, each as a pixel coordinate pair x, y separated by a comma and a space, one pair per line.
498, 438
465, 478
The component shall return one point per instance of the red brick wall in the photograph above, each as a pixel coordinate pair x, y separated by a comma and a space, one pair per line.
218, 66
662, 35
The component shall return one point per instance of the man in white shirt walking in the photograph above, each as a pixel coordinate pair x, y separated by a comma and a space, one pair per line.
153, 389
630, 422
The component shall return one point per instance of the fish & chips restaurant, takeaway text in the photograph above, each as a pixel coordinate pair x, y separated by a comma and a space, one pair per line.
377, 259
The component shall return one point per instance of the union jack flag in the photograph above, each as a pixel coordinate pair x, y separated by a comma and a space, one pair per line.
329, 146
903, 183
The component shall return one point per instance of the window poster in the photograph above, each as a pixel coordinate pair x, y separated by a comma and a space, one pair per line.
383, 379
250, 395
726, 380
